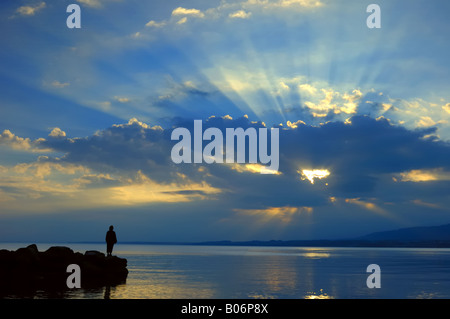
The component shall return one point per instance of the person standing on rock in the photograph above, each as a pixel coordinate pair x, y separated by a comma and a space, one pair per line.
111, 239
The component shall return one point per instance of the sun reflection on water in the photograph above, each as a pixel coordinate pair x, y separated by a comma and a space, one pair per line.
320, 295
316, 255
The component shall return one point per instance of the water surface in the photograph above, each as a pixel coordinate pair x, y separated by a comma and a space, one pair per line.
192, 272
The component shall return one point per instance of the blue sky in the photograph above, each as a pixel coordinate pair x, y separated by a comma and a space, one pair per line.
86, 116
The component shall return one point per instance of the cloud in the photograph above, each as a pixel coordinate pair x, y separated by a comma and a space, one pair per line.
313, 174
60, 85
96, 4
182, 20
122, 99
240, 14
129, 165
302, 3
425, 204
332, 101
424, 175
50, 185
57, 132
232, 10
148, 191
43, 168
291, 4
307, 88
349, 157
19, 143
283, 215
366, 205
91, 3
30, 10
425, 121
155, 24
180, 11
253, 168
446, 107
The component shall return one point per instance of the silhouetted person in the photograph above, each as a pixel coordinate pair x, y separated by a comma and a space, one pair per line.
110, 240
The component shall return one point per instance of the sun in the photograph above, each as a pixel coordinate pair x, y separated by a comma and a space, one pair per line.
312, 174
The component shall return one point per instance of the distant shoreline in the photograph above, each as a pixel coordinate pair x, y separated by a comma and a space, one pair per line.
414, 237
295, 243
277, 243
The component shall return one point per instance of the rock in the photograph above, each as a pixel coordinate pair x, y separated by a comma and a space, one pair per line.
59, 253
33, 248
94, 253
27, 269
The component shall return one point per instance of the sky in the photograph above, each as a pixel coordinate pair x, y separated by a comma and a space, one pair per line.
86, 116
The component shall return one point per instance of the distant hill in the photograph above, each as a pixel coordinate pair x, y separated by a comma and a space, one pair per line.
433, 236
412, 234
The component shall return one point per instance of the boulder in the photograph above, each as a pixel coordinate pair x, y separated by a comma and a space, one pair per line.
28, 270
94, 253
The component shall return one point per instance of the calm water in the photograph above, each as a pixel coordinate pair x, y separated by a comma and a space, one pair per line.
167, 272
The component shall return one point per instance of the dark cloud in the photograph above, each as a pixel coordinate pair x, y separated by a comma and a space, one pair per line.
358, 155
365, 158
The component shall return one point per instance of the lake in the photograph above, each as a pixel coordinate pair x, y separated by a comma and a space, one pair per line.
242, 272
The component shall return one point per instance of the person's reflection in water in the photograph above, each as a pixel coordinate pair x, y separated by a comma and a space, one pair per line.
107, 294
111, 239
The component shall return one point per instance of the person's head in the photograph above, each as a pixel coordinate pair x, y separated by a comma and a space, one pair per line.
111, 227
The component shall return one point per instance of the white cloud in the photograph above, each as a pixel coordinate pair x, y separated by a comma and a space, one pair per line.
155, 24
57, 132
284, 214
241, 14
313, 174
136, 122
425, 121
188, 12
446, 107
19, 143
307, 88
91, 3
121, 99
29, 10
182, 20
421, 175
302, 3
15, 142
45, 186
253, 168
96, 3
266, 4
419, 113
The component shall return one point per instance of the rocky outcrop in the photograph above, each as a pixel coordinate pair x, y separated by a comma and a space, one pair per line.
28, 269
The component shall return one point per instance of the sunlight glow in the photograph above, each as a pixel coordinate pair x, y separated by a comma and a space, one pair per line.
312, 174
254, 168
367, 205
282, 214
151, 192
423, 176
